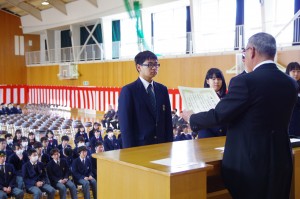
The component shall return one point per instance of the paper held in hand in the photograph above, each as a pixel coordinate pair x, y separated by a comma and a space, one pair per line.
198, 99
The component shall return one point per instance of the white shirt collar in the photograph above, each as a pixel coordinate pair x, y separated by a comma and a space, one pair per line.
145, 83
264, 62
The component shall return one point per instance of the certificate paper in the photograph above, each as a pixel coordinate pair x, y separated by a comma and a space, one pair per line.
198, 99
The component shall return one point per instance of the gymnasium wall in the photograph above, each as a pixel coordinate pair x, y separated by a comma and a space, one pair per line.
12, 67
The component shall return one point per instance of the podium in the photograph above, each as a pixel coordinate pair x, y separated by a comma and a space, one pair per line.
176, 170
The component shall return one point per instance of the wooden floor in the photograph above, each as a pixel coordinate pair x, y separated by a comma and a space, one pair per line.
79, 195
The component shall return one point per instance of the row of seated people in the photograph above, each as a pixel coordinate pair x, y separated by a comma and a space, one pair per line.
10, 109
110, 118
54, 166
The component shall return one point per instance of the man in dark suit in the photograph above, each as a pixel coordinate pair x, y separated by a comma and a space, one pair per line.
8, 185
58, 172
144, 106
257, 161
83, 173
108, 116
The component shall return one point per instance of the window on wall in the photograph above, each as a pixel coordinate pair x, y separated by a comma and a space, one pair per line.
284, 12
129, 41
169, 31
215, 25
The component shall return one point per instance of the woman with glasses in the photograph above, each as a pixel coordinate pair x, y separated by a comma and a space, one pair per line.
214, 79
293, 70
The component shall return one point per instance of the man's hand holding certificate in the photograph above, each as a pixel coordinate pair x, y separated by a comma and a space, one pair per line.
197, 100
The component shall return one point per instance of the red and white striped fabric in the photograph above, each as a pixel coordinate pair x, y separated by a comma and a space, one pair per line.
13, 94
93, 98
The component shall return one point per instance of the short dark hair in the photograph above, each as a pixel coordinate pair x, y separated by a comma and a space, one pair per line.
2, 140
98, 143
44, 139
215, 72
55, 150
145, 55
8, 135
68, 152
49, 131
14, 146
65, 138
31, 151
80, 139
292, 66
37, 145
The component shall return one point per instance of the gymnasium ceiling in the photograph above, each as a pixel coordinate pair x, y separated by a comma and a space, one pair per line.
34, 7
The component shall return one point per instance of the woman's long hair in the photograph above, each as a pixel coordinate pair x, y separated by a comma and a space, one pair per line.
217, 73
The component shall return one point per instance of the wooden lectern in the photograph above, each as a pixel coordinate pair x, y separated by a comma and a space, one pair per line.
176, 170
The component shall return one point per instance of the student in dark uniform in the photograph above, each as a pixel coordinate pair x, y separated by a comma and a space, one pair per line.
9, 141
64, 144
82, 173
3, 145
80, 142
110, 142
8, 185
31, 140
96, 127
99, 148
35, 177
52, 143
42, 157
97, 137
17, 137
17, 159
81, 132
58, 172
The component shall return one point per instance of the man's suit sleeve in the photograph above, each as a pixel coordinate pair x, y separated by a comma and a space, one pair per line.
229, 108
126, 120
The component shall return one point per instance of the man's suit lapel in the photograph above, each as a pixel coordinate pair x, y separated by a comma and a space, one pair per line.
145, 97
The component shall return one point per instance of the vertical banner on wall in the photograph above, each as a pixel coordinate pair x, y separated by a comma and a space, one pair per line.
22, 96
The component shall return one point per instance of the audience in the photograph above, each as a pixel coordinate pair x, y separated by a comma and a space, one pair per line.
8, 185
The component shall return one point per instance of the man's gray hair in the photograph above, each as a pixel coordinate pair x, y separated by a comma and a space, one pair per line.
264, 44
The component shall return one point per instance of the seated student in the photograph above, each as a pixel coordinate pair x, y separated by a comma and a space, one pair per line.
35, 177
9, 141
110, 141
24, 143
81, 132
42, 157
45, 144
17, 137
174, 119
82, 173
64, 144
180, 120
58, 172
3, 145
8, 185
80, 142
68, 155
31, 140
185, 135
17, 159
97, 137
99, 148
52, 142
18, 110
96, 127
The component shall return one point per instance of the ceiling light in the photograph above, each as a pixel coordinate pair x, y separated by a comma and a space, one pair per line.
45, 2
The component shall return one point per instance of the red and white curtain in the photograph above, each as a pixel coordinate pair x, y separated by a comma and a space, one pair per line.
93, 98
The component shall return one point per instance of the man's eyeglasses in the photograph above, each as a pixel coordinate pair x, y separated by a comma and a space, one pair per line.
245, 49
150, 65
